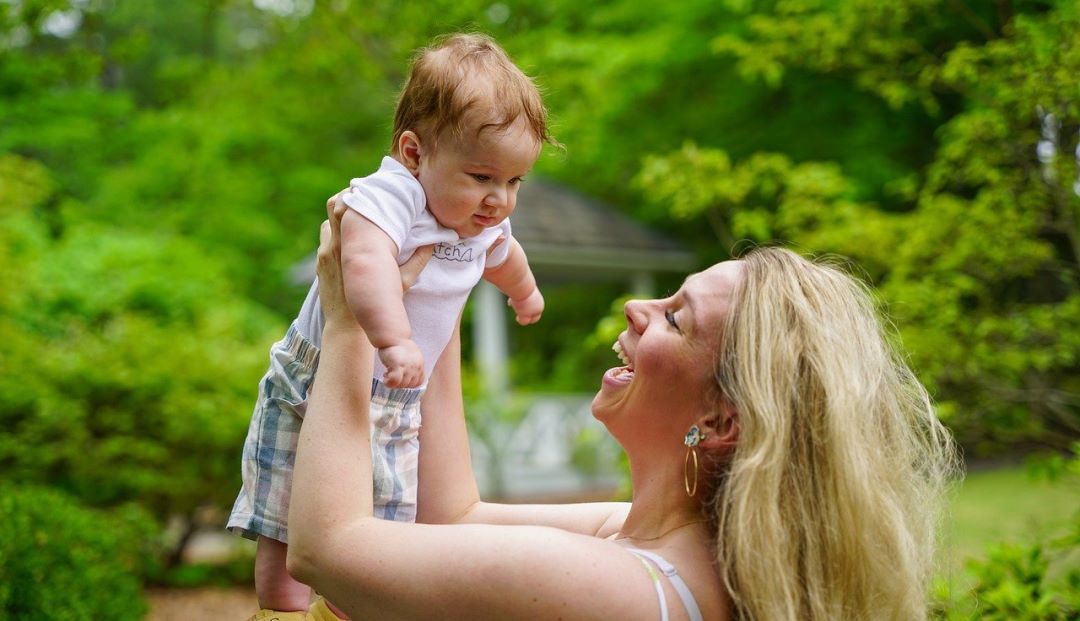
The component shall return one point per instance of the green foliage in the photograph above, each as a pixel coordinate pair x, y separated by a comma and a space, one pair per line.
238, 571
977, 260
59, 560
493, 420
1011, 585
135, 388
1036, 581
163, 164
561, 353
129, 366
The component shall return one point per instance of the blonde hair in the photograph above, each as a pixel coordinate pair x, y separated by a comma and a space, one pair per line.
827, 507
466, 83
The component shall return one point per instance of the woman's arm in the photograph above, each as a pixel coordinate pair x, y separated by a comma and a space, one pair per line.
380, 569
448, 492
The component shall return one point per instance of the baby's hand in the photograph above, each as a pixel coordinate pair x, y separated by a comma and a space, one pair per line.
529, 308
404, 365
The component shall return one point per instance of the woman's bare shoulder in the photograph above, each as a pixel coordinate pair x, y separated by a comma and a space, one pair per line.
693, 558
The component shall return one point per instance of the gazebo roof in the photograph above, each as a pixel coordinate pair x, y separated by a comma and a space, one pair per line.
563, 231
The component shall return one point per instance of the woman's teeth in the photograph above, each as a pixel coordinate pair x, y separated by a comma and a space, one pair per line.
617, 348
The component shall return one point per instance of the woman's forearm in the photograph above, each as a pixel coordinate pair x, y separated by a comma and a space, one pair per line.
332, 466
596, 519
448, 492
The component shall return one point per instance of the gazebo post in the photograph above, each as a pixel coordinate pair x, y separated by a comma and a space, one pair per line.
489, 339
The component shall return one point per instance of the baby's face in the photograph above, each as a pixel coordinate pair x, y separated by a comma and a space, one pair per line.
472, 184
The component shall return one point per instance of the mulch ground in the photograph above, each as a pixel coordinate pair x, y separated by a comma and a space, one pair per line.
235, 604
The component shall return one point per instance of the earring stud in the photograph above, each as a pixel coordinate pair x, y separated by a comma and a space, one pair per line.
693, 437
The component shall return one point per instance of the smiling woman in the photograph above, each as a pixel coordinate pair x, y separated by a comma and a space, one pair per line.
671, 343
814, 497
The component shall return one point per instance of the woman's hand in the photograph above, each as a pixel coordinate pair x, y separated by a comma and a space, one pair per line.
328, 265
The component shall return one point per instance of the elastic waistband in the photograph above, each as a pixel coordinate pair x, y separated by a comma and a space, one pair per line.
297, 345
402, 396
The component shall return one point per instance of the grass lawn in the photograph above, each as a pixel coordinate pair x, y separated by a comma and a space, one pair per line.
1003, 505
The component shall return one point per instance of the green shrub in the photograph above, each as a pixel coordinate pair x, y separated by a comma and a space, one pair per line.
130, 364
238, 571
59, 560
1038, 581
1016, 583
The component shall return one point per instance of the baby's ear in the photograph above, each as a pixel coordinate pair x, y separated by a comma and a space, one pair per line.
410, 150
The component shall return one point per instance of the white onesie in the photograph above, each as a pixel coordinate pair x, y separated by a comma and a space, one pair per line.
394, 201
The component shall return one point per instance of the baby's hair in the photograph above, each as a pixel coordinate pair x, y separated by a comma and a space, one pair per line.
464, 83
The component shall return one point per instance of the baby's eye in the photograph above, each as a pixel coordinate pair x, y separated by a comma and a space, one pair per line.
482, 178
516, 180
670, 316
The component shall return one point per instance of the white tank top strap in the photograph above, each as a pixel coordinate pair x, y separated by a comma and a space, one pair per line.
656, 583
676, 580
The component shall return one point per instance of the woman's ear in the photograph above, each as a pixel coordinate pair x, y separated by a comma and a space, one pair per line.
410, 150
721, 428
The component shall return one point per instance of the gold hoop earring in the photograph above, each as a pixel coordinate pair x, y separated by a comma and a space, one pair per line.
692, 439
690, 491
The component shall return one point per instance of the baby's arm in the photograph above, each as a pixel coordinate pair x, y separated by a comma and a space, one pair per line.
514, 278
373, 292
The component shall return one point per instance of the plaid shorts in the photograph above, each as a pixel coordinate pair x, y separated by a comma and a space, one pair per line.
262, 507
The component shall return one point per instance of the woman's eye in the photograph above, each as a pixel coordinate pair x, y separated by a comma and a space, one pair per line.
670, 316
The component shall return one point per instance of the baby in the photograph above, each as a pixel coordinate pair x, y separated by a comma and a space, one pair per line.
468, 126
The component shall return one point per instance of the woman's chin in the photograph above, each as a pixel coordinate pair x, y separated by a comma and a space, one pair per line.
612, 387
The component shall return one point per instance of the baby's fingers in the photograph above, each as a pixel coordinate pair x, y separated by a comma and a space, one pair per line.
527, 320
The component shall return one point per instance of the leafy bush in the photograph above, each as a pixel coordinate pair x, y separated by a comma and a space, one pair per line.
59, 560
238, 571
1018, 583
1039, 581
129, 367
969, 249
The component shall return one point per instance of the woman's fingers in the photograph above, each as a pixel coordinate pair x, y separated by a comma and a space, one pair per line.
328, 258
331, 203
336, 212
325, 252
324, 235
410, 269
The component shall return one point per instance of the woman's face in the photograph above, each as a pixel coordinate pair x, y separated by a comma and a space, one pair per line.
669, 347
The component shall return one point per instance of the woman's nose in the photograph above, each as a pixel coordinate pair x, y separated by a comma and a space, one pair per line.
636, 312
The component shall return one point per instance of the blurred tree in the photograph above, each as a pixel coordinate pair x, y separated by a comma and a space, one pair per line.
163, 164
979, 268
130, 365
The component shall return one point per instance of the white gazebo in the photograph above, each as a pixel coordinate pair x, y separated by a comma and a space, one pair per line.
569, 237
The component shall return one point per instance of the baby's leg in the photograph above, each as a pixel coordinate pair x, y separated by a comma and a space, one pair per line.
275, 588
